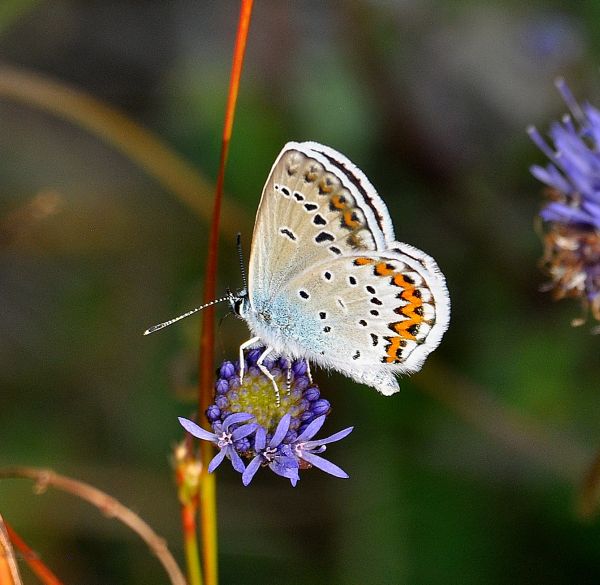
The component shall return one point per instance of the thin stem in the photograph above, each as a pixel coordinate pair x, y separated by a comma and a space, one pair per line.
108, 505
43, 573
9, 570
190, 542
208, 505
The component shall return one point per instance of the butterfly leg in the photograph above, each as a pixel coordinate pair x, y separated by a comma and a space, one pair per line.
309, 372
265, 371
244, 346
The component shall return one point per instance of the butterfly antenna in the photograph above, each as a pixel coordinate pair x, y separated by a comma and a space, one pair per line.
171, 321
241, 259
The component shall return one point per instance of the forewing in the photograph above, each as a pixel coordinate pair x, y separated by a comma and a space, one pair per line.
316, 206
378, 314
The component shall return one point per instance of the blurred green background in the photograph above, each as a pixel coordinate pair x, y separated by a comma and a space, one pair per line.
471, 473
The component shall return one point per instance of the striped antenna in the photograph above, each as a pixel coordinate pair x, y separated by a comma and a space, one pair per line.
155, 328
241, 260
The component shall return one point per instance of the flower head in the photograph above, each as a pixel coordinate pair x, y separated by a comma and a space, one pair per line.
249, 426
571, 216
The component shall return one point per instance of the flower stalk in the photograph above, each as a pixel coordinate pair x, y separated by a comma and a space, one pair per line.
208, 506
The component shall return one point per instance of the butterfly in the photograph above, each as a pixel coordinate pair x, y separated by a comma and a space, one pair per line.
327, 280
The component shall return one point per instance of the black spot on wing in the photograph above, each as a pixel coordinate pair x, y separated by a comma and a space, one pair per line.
324, 237
288, 233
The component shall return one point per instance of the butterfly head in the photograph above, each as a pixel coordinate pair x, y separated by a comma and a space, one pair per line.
239, 302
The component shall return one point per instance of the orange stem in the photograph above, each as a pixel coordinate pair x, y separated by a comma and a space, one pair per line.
44, 574
206, 357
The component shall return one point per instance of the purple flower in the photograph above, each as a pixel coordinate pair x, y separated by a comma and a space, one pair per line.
223, 437
571, 216
280, 436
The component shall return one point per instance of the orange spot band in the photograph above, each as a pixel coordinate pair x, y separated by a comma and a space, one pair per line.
338, 202
394, 350
384, 269
350, 219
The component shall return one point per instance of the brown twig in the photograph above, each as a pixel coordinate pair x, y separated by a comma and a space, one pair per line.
9, 570
107, 505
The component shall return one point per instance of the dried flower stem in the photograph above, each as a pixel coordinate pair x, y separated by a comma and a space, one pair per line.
121, 132
208, 504
43, 573
108, 505
9, 570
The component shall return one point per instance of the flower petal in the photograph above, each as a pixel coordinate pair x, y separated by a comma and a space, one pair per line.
236, 417
216, 460
243, 431
235, 459
311, 430
335, 437
196, 430
539, 141
324, 464
285, 466
260, 439
251, 470
551, 176
563, 213
281, 430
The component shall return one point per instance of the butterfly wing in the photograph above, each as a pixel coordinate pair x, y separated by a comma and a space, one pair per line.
369, 316
316, 205
327, 280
